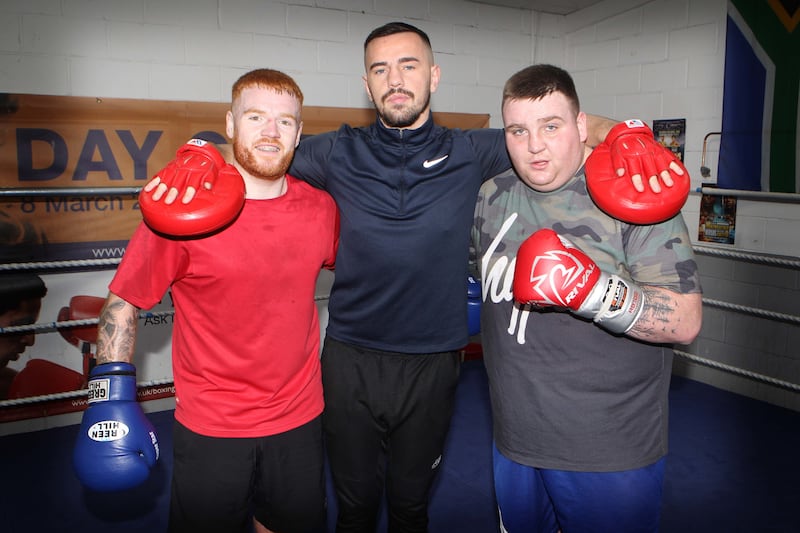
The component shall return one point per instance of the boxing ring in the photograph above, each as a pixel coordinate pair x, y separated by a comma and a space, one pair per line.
764, 259
164, 385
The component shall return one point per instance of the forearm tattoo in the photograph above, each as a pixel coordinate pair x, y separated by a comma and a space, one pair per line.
658, 318
116, 331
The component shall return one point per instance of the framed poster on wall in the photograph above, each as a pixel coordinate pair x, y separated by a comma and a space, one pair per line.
671, 133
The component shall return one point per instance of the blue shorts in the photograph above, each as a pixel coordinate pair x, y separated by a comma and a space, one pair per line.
536, 500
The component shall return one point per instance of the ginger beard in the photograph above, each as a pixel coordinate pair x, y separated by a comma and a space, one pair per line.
267, 169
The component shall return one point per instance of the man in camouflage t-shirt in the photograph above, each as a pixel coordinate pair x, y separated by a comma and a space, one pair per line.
580, 412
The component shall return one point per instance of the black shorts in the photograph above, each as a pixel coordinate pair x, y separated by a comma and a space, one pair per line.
219, 484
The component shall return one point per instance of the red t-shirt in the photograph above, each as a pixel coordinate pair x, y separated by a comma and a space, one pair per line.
245, 338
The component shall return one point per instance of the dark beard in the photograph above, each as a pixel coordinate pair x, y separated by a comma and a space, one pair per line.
407, 117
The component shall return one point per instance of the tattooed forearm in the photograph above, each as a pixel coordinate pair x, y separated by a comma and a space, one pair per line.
657, 314
116, 331
668, 317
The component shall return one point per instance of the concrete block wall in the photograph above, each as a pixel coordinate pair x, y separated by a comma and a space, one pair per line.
195, 49
654, 59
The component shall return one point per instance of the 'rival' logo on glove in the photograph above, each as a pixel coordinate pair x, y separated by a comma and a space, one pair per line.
559, 275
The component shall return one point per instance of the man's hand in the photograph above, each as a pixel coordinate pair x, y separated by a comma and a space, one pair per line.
195, 165
631, 151
212, 192
636, 153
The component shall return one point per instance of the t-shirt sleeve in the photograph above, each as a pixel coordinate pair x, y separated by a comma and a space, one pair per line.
661, 255
310, 160
490, 147
149, 266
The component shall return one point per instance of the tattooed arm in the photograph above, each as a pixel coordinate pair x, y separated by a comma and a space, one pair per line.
668, 316
116, 330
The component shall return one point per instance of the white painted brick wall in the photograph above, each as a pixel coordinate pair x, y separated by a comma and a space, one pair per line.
120, 79
664, 15
253, 16
297, 55
151, 43
318, 24
493, 43
34, 74
10, 28
619, 79
205, 47
625, 24
183, 13
665, 75
642, 49
46, 35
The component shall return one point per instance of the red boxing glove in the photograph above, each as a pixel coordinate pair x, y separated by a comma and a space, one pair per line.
81, 308
82, 337
196, 164
551, 271
40, 377
631, 145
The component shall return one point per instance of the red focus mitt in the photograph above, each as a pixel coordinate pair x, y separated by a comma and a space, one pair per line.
218, 187
631, 145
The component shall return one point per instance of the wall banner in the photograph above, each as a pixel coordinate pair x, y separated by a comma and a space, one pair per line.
63, 143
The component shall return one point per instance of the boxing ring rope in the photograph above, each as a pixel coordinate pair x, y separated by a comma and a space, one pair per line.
738, 371
75, 394
767, 259
46, 265
788, 197
772, 315
790, 262
49, 327
71, 191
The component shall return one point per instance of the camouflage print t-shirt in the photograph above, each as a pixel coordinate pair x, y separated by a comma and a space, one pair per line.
565, 393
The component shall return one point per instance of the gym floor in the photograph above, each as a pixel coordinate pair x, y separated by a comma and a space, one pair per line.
734, 466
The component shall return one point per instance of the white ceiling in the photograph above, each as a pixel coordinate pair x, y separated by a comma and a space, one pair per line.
556, 7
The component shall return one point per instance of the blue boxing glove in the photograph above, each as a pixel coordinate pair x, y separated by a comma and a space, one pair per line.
117, 444
473, 306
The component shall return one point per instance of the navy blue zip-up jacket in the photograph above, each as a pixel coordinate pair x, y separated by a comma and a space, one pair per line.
407, 201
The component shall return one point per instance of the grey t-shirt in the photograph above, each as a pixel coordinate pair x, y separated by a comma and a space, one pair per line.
566, 394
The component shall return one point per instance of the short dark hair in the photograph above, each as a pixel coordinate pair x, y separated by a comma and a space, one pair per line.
16, 287
537, 81
393, 28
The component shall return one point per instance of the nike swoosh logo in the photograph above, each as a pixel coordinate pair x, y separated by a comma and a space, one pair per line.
433, 162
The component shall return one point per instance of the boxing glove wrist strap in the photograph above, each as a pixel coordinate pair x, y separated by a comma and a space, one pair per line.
115, 381
202, 147
614, 303
627, 127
